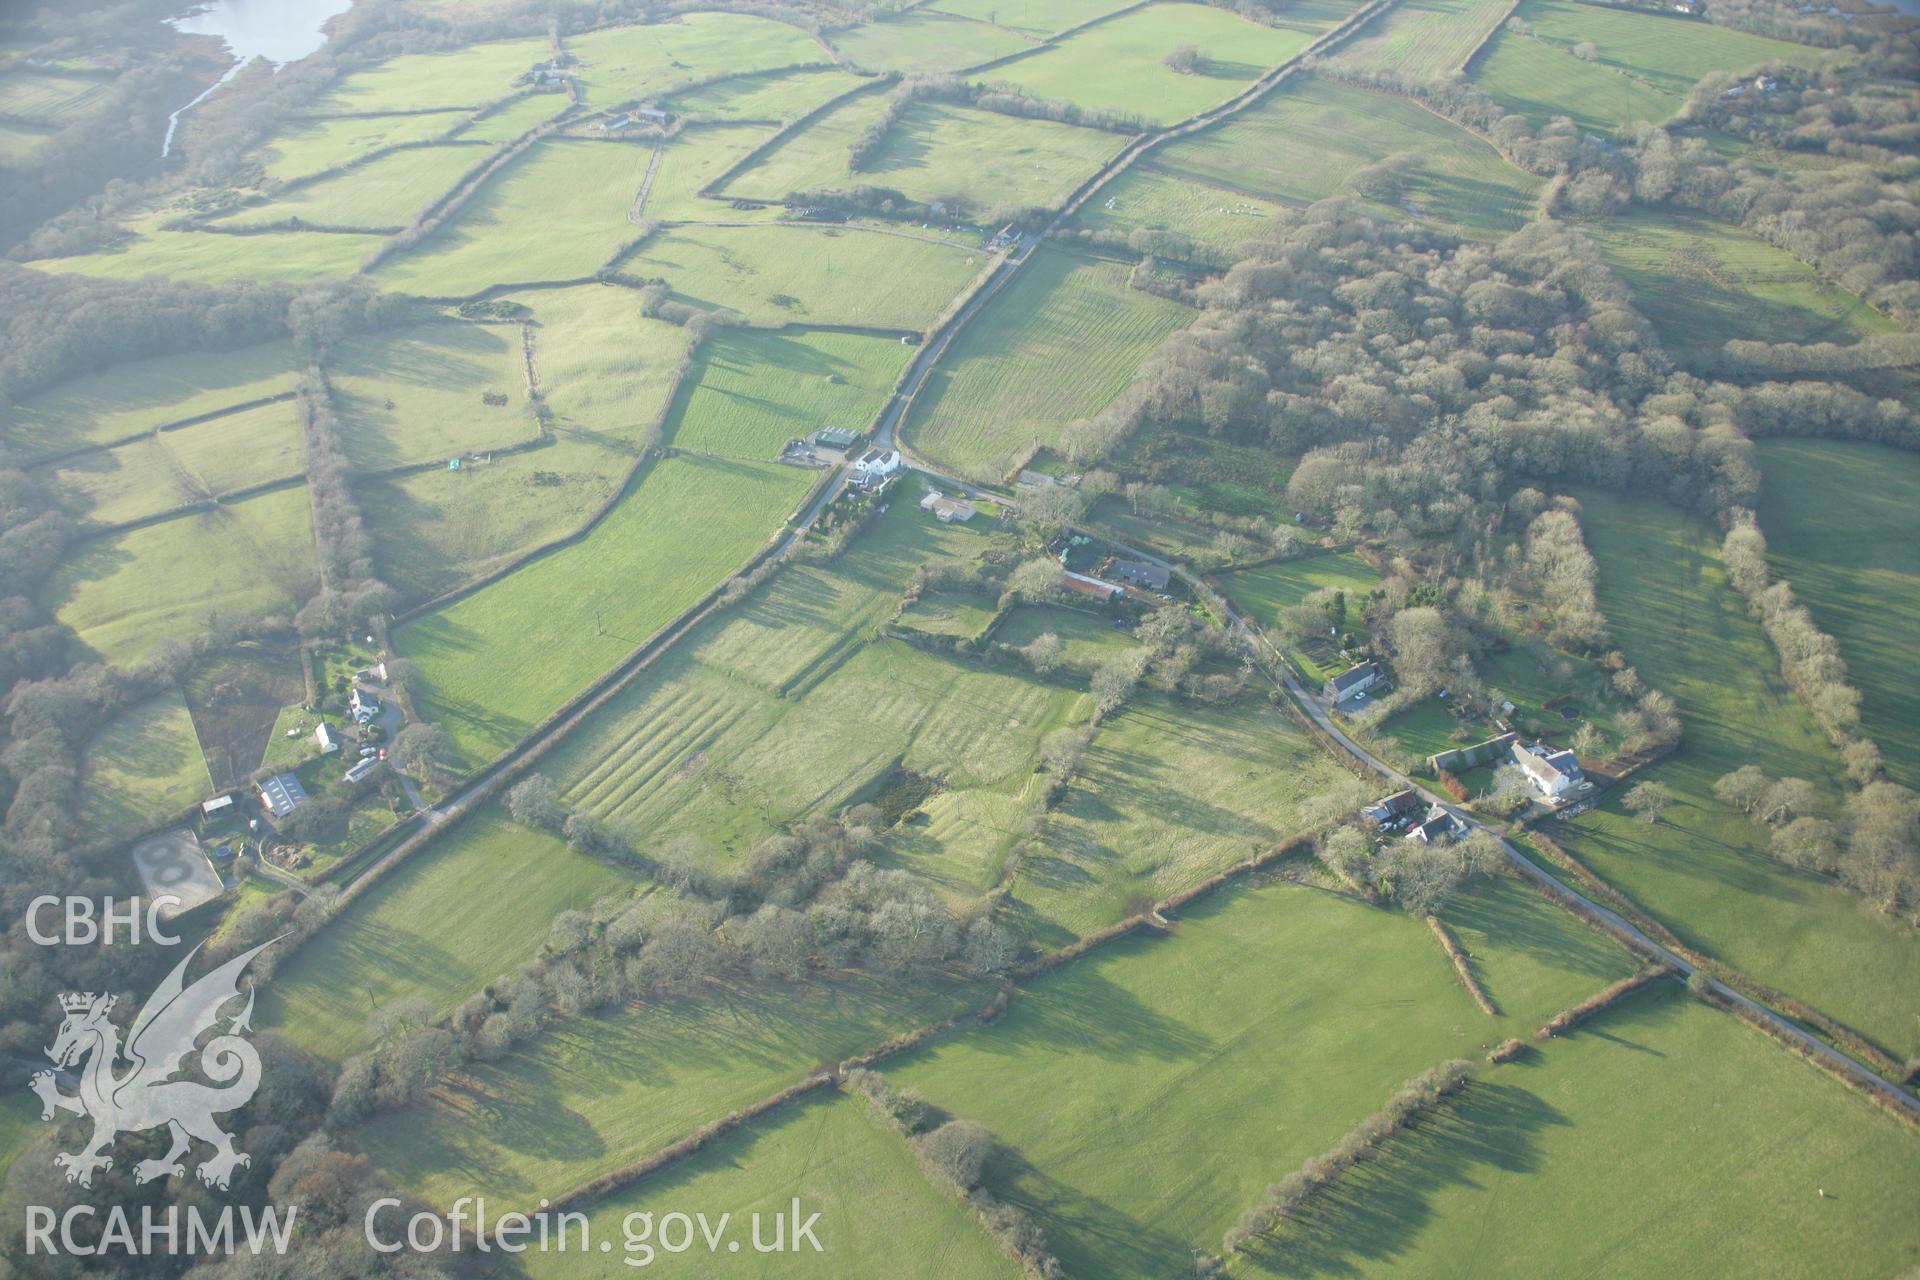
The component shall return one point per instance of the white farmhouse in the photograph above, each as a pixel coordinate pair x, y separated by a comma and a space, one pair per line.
876, 464
1554, 774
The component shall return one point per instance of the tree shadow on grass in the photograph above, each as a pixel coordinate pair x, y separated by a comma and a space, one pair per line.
1377, 1212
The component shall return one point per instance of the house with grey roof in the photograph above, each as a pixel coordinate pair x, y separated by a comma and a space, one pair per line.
1553, 774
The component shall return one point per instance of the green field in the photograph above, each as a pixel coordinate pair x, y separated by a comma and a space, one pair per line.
139, 395
1704, 282
682, 528
143, 768
515, 118
1618, 1151
630, 63
923, 40
1148, 197
1423, 39
1646, 65
311, 146
1305, 141
1144, 1111
161, 472
462, 912
810, 156
754, 390
777, 95
776, 275
940, 152
1118, 66
1089, 638
412, 395
469, 77
507, 232
607, 375
1171, 793
594, 1094
694, 159
1703, 869
48, 97
993, 399
125, 593
1032, 17
879, 1213
205, 257
381, 195
1264, 591
1841, 525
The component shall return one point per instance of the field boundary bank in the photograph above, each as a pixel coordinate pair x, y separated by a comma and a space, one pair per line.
1479, 50
874, 80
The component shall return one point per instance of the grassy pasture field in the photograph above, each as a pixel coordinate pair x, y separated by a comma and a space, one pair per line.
925, 40
1704, 282
1304, 142
311, 146
126, 592
439, 927
630, 63
48, 97
507, 232
1703, 869
1089, 638
685, 525
1646, 65
1424, 38
204, 257
879, 1213
764, 96
469, 77
753, 390
1146, 196
236, 698
1841, 525
142, 768
1118, 66
594, 1094
809, 157
939, 151
1031, 17
1171, 793
774, 275
18, 140
1629, 1137
169, 469
695, 158
607, 374
1143, 1111
515, 118
139, 395
383, 194
410, 395
992, 400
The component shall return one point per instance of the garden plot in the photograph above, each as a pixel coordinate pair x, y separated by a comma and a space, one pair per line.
993, 399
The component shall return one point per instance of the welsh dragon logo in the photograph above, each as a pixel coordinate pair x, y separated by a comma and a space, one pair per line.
147, 1096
